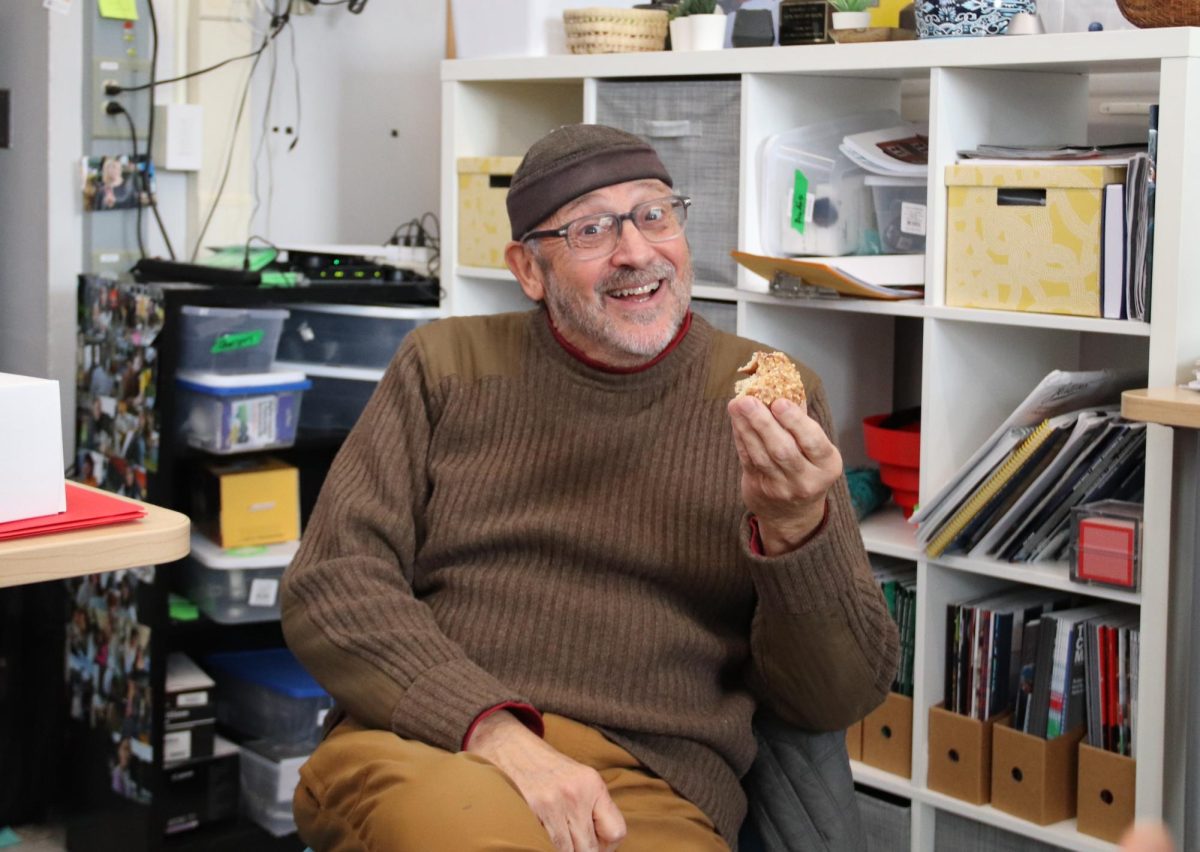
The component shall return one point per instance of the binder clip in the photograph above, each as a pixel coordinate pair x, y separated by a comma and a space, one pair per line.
791, 287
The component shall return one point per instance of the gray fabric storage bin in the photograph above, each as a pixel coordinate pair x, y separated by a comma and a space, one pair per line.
723, 315
887, 821
955, 834
694, 125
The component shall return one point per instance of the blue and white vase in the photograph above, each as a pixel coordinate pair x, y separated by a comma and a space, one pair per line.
953, 18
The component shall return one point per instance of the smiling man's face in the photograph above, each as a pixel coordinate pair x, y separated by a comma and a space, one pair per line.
620, 310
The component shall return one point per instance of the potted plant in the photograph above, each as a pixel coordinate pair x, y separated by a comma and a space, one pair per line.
850, 14
697, 25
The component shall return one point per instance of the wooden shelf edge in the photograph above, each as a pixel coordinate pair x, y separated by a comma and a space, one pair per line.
161, 536
1167, 406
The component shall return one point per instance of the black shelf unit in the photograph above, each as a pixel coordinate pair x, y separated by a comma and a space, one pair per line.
99, 819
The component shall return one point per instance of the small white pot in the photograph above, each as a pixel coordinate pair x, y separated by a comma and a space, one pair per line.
681, 34
708, 31
851, 20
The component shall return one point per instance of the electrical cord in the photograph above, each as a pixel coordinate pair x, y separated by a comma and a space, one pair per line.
229, 158
162, 229
278, 23
114, 108
246, 253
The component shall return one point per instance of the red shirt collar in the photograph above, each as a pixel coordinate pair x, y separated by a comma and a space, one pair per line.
607, 368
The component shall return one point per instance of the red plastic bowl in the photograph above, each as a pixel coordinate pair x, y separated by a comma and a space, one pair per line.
900, 478
901, 447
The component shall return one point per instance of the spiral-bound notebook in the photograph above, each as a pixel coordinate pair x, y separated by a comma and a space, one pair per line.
990, 488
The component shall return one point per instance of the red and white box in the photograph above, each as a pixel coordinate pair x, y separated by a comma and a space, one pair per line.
1106, 543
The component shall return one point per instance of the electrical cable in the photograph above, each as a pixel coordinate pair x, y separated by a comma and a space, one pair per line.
277, 26
229, 158
296, 85
162, 229
115, 108
246, 253
262, 141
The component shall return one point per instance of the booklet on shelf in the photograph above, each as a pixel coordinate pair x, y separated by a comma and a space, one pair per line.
1120, 153
899, 151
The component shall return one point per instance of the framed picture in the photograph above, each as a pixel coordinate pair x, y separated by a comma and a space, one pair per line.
115, 182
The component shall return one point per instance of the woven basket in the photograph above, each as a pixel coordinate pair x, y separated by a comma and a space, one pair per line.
1161, 13
603, 30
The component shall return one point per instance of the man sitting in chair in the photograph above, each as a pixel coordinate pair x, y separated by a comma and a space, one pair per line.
555, 569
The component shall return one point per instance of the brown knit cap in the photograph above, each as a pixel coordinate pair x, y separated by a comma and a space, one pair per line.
573, 160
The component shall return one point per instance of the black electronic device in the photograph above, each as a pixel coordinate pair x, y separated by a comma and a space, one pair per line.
156, 269
753, 28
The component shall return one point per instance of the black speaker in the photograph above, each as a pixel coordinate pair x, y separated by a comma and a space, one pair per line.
753, 28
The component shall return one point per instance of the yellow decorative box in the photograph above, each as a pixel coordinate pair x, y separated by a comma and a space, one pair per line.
248, 502
483, 227
1026, 237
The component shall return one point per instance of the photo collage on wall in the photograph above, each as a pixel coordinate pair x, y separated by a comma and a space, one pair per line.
108, 672
118, 435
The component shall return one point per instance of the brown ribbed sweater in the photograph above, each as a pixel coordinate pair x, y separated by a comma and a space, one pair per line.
506, 523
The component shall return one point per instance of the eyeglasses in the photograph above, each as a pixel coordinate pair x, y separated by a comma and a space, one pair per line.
597, 236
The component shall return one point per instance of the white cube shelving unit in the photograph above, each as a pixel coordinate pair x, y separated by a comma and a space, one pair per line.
966, 368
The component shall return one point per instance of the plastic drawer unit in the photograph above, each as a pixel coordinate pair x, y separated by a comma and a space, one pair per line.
229, 340
239, 413
268, 695
337, 397
237, 585
270, 773
348, 335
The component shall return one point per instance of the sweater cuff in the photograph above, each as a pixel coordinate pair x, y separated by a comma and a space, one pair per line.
756, 542
441, 705
526, 714
814, 576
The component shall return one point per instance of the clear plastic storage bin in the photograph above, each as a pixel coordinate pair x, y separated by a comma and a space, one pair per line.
269, 695
337, 397
229, 340
899, 213
814, 200
348, 335
236, 585
270, 773
239, 413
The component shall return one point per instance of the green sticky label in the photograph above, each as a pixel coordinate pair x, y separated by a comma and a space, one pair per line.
239, 340
248, 550
799, 200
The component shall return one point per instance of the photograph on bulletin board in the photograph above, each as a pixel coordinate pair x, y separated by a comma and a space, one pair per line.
116, 182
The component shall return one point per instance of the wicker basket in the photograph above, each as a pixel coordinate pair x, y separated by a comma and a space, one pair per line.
1161, 13
603, 30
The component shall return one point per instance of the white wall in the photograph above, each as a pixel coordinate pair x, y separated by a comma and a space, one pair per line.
349, 180
40, 202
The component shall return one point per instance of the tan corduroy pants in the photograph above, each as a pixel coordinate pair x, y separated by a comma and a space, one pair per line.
371, 791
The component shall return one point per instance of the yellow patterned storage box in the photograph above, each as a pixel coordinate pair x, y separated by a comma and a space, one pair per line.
483, 228
1026, 237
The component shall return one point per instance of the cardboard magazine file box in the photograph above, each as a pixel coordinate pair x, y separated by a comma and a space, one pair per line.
854, 740
887, 736
960, 754
1033, 778
1107, 792
483, 226
1026, 238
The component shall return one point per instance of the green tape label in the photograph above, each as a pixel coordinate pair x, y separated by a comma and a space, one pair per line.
238, 340
799, 201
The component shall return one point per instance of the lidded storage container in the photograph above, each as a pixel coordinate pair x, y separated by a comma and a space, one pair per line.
229, 340
239, 413
267, 694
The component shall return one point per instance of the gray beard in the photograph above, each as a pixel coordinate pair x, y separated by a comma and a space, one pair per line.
596, 325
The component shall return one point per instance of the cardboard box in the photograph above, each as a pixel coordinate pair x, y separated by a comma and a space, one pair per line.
887, 736
854, 740
1026, 238
960, 755
483, 226
250, 502
1107, 792
1033, 778
31, 452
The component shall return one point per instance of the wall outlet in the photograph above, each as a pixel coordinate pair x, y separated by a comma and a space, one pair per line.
123, 72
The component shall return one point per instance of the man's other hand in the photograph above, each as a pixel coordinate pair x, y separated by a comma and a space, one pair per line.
569, 798
788, 466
